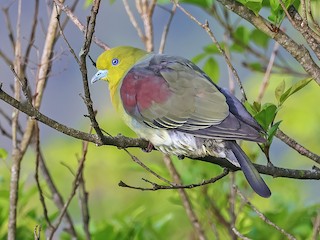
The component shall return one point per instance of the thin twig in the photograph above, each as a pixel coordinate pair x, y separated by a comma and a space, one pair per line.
32, 35
296, 146
56, 196
80, 26
266, 78
91, 22
133, 20
298, 51
166, 29
304, 11
185, 199
136, 160
217, 213
83, 195
232, 200
239, 235
316, 227
125, 142
156, 186
9, 27
214, 40
36, 176
16, 148
262, 216
75, 186
313, 21
66, 41
24, 85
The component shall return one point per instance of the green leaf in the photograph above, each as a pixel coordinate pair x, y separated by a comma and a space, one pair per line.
3, 153
196, 59
237, 48
212, 48
250, 108
255, 66
242, 34
211, 68
266, 116
200, 3
272, 131
254, 5
280, 90
260, 38
295, 88
257, 106
275, 5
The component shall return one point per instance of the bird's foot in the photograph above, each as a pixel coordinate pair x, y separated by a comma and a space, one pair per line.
149, 148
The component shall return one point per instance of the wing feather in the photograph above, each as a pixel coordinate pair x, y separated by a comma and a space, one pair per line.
168, 92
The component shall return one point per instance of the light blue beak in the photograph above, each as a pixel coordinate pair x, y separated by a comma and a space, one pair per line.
99, 75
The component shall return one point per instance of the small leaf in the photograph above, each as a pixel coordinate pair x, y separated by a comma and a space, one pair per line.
254, 5
242, 34
274, 4
294, 88
250, 108
3, 153
257, 106
211, 68
280, 90
255, 66
272, 131
237, 48
196, 59
212, 48
266, 115
259, 38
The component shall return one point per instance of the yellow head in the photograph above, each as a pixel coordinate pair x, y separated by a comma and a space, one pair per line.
113, 64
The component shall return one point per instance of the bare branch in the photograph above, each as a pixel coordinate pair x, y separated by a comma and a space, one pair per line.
299, 52
238, 234
36, 176
313, 21
309, 35
91, 22
266, 78
83, 194
214, 40
263, 217
75, 186
185, 199
9, 27
166, 29
296, 146
156, 186
316, 227
133, 20
32, 34
124, 142
136, 160
56, 196
80, 26
16, 149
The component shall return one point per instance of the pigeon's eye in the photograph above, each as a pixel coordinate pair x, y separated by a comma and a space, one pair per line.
115, 61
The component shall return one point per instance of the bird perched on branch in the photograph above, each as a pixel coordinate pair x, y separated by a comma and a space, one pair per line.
173, 104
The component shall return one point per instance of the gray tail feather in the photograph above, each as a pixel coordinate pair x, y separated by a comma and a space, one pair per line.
250, 172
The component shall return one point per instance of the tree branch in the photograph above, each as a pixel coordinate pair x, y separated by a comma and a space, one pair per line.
124, 142
299, 52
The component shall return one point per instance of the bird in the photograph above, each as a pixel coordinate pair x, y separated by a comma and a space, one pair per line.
173, 104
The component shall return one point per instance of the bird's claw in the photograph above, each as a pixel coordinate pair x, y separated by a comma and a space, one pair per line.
149, 148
